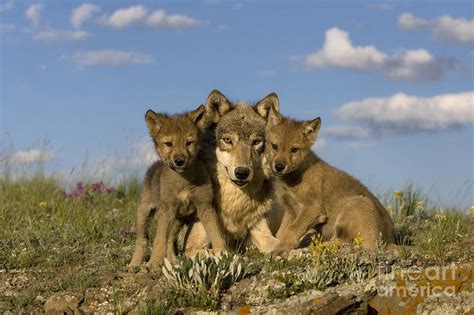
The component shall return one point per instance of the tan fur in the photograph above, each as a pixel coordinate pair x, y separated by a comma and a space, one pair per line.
235, 139
312, 192
176, 188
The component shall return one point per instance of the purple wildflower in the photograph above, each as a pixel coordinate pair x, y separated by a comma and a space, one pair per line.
110, 190
124, 232
98, 187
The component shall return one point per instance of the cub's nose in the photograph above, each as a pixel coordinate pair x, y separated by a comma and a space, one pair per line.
242, 173
179, 161
279, 167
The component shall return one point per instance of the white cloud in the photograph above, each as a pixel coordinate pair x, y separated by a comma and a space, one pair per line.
138, 15
109, 57
143, 156
405, 114
411, 65
52, 35
159, 19
7, 6
444, 28
83, 13
33, 13
31, 156
124, 17
338, 51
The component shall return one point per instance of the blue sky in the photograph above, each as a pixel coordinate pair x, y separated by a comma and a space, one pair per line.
392, 81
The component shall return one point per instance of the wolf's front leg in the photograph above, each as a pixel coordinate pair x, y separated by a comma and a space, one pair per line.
209, 219
145, 211
290, 236
174, 228
158, 252
261, 236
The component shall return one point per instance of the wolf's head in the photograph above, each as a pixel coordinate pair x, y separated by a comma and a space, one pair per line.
239, 134
176, 137
288, 142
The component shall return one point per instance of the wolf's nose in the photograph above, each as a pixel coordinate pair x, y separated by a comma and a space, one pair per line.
179, 162
242, 172
279, 167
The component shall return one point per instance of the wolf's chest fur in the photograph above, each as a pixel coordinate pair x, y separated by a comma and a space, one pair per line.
240, 208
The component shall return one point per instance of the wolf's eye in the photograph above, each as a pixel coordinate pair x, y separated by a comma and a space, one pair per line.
256, 142
294, 150
227, 140
188, 143
274, 146
169, 143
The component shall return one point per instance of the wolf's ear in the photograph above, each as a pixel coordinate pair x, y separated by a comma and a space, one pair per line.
263, 107
216, 106
311, 129
153, 120
198, 117
274, 117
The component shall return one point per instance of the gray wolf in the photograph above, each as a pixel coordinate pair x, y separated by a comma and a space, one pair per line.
233, 152
175, 188
312, 192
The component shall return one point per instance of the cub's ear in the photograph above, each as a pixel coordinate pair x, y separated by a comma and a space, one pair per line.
198, 117
311, 129
153, 121
263, 107
216, 106
274, 117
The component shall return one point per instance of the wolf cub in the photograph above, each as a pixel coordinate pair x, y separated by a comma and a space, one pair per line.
177, 188
311, 192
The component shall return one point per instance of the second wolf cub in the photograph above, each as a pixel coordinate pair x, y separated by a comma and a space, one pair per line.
311, 192
175, 188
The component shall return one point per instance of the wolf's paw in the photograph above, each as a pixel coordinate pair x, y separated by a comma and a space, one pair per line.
217, 252
281, 250
154, 265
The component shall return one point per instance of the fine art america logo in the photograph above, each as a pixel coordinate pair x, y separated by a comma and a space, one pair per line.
413, 282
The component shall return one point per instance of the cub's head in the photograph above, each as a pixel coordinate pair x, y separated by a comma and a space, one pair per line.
176, 137
239, 134
288, 142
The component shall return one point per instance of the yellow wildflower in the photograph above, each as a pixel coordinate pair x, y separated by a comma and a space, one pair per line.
397, 195
440, 216
472, 211
43, 204
420, 206
358, 240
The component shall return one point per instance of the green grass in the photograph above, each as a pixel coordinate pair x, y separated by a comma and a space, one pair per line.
50, 243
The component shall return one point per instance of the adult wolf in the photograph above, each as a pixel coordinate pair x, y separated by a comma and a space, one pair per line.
311, 191
233, 154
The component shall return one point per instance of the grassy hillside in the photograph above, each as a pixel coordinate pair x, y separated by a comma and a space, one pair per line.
52, 240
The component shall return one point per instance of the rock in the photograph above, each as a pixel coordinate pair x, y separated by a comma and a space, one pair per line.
64, 302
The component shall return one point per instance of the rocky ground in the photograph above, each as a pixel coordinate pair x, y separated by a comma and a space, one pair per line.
431, 290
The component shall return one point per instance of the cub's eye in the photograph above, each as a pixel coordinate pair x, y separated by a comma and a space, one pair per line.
274, 146
256, 142
294, 150
169, 143
188, 143
227, 140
